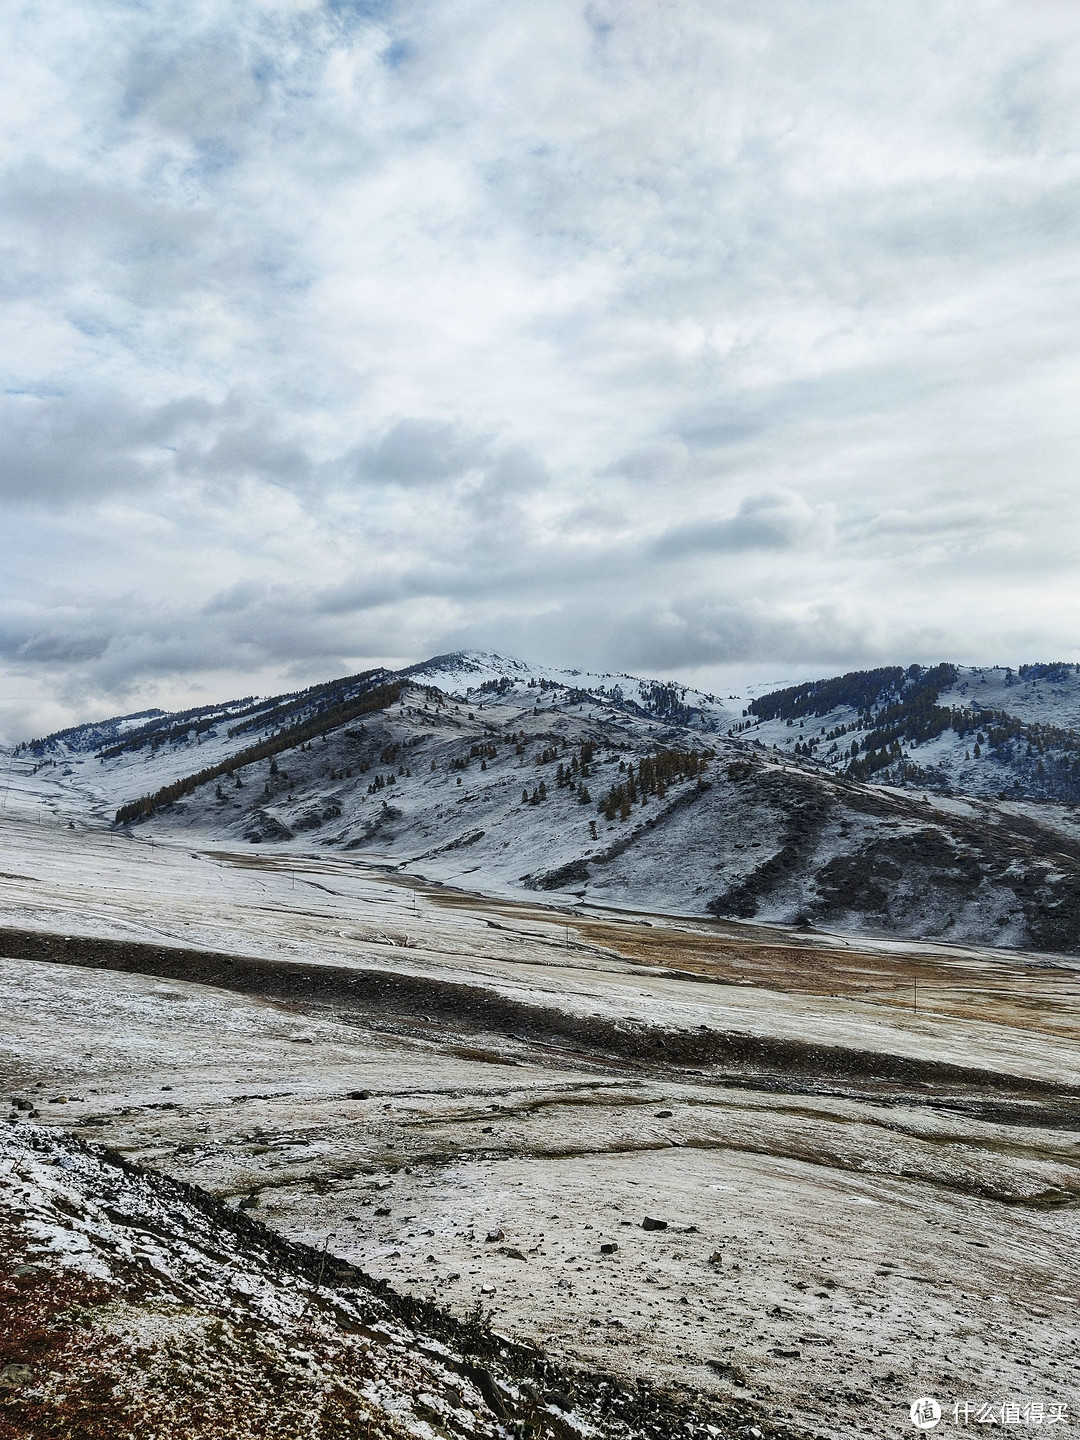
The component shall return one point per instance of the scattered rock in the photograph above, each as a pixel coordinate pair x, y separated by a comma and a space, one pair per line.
716, 1258
358, 1095
723, 1368
650, 1224
513, 1253
382, 1210
664, 1114
428, 1408
265, 826
574, 873
493, 1237
609, 1248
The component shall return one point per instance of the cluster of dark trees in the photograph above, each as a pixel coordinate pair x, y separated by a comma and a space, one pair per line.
1055, 673
570, 775
250, 713
540, 793
658, 700
380, 784
1009, 739
567, 776
666, 702
484, 751
377, 699
654, 774
866, 691
899, 708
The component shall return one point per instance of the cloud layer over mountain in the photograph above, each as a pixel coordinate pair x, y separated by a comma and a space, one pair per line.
639, 335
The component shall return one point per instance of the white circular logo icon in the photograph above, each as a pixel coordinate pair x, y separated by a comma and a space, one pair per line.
925, 1413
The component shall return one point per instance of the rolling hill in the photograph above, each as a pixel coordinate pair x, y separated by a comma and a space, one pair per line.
929, 803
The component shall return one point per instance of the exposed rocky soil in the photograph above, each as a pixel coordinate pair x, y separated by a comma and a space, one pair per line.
133, 1305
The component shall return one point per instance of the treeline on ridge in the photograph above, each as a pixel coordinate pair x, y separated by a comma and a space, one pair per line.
263, 713
861, 690
329, 719
323, 697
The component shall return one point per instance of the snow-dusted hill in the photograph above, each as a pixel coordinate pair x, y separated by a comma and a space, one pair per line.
992, 732
481, 676
905, 802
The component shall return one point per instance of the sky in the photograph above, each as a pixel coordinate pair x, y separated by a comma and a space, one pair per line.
696, 338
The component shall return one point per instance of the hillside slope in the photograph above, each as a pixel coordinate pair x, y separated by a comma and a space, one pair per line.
995, 733
495, 775
137, 1306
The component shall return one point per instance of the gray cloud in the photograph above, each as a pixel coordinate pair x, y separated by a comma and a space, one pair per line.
420, 452
55, 447
772, 521
663, 460
205, 89
81, 447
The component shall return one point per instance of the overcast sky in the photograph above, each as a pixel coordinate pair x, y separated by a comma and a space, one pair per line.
701, 339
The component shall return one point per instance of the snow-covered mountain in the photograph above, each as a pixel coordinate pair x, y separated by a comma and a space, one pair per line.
481, 676
993, 732
907, 802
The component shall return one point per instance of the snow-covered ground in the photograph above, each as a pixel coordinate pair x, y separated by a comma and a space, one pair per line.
394, 999
133, 1307
862, 1155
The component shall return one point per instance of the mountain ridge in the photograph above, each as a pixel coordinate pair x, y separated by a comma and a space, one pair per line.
810, 805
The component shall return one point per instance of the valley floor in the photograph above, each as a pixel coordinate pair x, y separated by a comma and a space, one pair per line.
734, 1160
